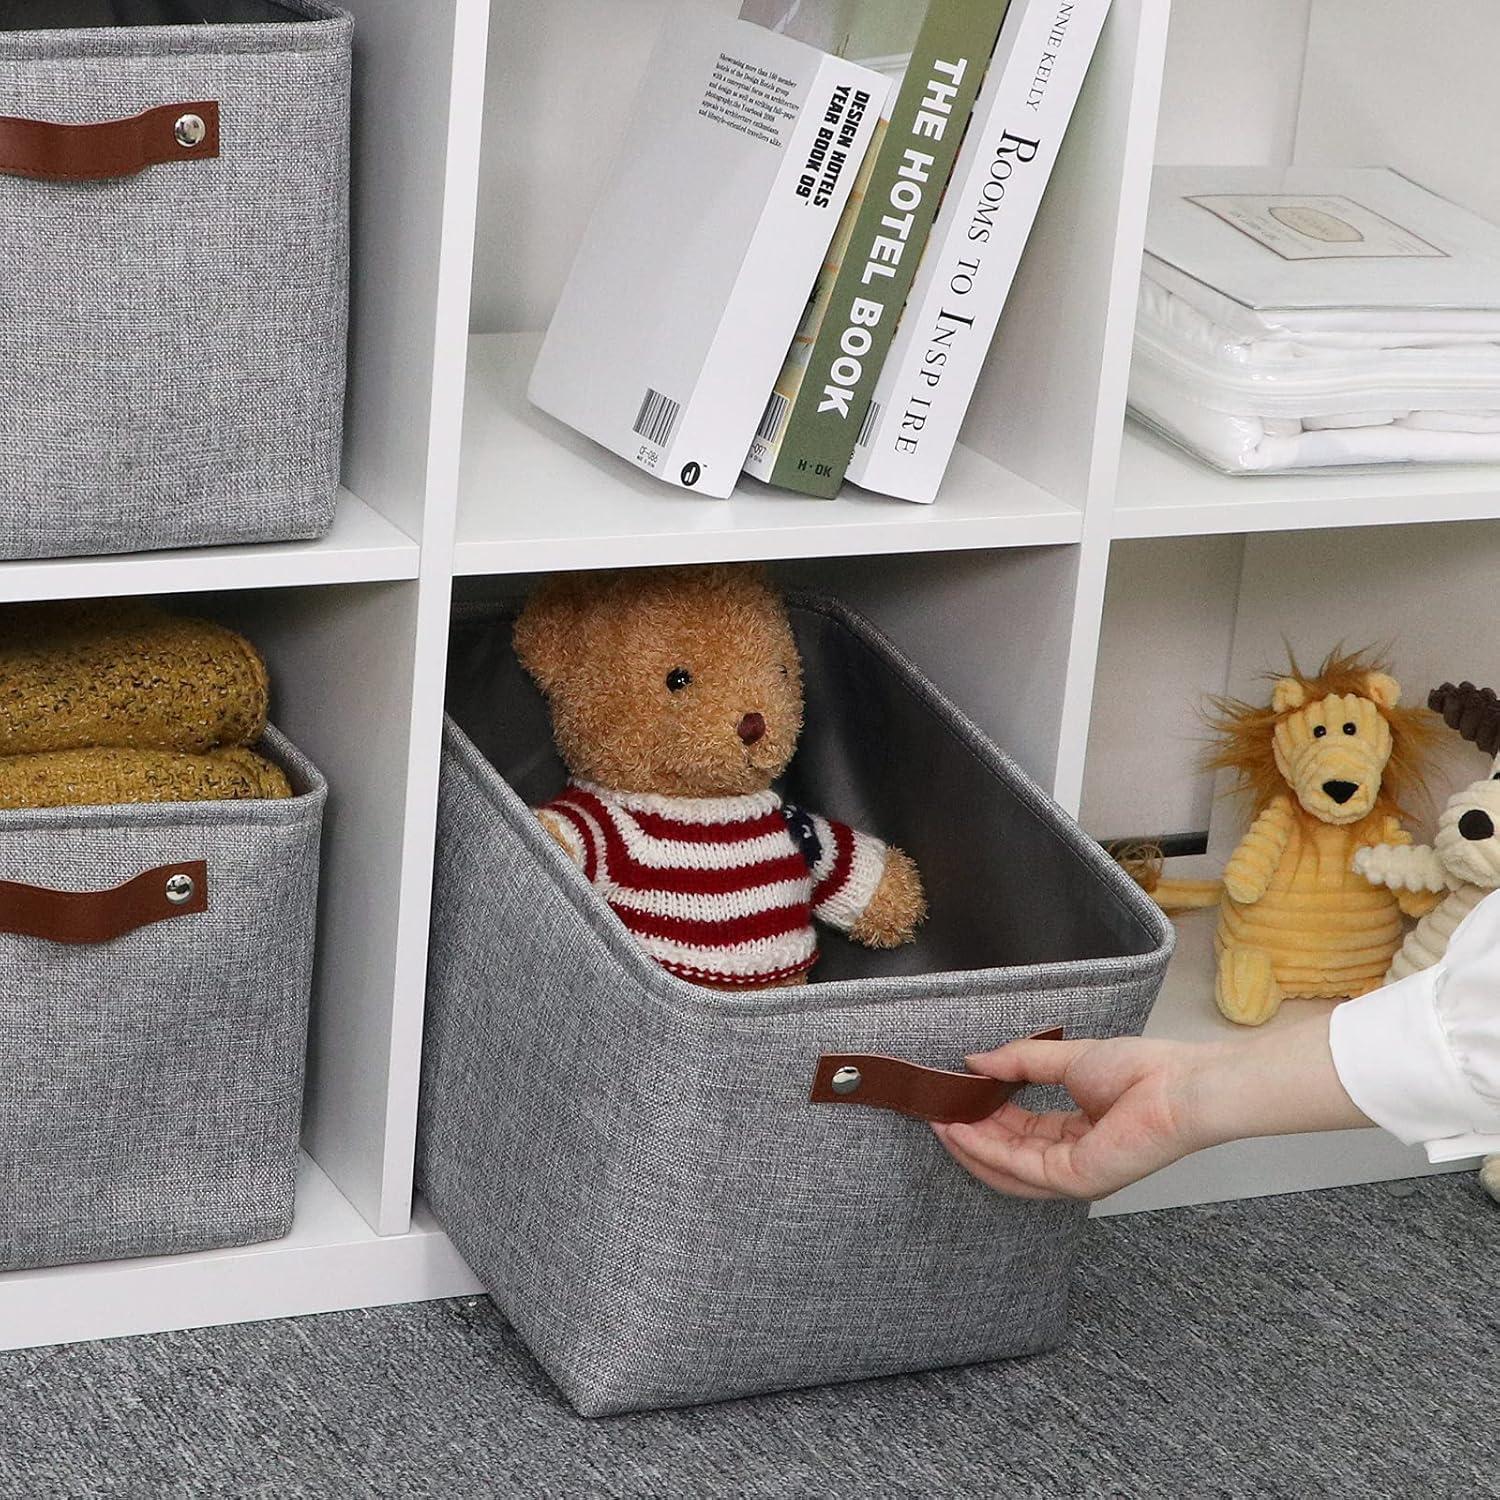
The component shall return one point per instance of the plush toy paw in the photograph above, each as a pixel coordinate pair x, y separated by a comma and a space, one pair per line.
1242, 889
558, 827
1417, 904
1246, 987
897, 907
1489, 1176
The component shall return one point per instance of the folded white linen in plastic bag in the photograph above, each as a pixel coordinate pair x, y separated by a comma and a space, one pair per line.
1303, 317
1257, 445
1257, 397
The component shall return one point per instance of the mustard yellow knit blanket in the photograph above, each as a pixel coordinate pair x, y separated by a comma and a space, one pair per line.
121, 702
125, 675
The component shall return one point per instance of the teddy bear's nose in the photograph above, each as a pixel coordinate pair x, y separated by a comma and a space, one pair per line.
1476, 825
1341, 791
752, 728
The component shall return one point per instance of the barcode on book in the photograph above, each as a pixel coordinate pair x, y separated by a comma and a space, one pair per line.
657, 418
867, 427
771, 424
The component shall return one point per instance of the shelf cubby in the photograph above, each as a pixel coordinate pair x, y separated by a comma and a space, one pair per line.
535, 496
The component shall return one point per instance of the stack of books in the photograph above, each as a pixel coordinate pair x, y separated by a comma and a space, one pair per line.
808, 237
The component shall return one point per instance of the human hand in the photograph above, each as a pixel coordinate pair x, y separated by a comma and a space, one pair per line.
1135, 1115
1143, 1104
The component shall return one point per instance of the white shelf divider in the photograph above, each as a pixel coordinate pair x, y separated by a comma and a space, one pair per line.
536, 496
361, 547
1164, 491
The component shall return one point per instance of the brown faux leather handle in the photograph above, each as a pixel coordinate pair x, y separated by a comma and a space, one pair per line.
100, 916
116, 148
910, 1089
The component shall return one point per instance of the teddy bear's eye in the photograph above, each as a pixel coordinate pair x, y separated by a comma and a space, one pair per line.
1496, 776
1319, 730
1350, 729
677, 679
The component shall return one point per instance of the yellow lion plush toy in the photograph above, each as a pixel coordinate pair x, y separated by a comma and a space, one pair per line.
1326, 763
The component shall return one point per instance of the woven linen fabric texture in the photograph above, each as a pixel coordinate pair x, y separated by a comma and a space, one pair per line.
153, 1084
172, 344
631, 1164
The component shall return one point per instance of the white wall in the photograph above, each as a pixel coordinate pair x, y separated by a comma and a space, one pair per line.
1234, 71
1409, 84
1169, 611
553, 113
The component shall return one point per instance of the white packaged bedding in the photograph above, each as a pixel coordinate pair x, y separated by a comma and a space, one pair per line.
1299, 318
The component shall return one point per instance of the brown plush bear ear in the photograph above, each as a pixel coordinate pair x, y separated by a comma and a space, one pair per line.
548, 633
1288, 693
1383, 688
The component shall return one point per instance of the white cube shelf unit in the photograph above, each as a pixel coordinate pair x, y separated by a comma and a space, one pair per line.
482, 134
1211, 577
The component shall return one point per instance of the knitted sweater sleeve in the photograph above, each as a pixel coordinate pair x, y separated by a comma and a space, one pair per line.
845, 873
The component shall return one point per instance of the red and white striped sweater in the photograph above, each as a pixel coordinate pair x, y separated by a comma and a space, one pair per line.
722, 889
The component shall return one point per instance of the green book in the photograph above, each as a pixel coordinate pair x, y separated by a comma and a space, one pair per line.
811, 422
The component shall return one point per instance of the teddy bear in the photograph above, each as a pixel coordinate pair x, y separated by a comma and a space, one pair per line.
676, 698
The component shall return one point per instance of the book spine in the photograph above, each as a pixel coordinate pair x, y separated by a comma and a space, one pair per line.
939, 350
771, 433
808, 430
812, 186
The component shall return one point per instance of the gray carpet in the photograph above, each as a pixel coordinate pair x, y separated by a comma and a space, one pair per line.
1339, 1344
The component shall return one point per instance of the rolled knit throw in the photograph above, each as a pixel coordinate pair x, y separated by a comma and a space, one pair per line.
93, 778
126, 675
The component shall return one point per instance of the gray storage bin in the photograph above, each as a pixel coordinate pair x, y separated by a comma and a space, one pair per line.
153, 1079
172, 311
632, 1165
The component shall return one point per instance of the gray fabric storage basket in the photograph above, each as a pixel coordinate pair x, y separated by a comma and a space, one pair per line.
153, 1083
172, 342
631, 1164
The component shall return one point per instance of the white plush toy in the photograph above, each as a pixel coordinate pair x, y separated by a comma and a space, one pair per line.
1463, 860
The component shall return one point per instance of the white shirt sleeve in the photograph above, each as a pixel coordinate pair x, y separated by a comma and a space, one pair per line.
1421, 1057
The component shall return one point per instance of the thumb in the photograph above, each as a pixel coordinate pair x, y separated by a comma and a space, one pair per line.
1029, 1061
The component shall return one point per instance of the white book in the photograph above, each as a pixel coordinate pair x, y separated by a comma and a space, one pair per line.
698, 259
934, 362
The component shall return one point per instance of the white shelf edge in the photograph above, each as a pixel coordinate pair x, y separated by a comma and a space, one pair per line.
536, 496
331, 1261
1164, 492
360, 547
1258, 1168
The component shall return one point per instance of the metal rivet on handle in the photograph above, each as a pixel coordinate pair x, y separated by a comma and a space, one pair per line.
846, 1080
180, 889
190, 131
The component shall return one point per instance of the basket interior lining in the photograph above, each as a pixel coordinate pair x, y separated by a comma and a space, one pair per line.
70, 15
1004, 887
